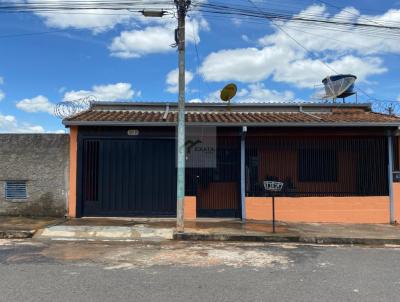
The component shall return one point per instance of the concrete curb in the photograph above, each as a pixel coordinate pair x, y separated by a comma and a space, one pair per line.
116, 233
16, 234
232, 237
350, 241
286, 239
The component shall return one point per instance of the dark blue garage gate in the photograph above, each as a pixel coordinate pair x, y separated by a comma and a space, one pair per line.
128, 177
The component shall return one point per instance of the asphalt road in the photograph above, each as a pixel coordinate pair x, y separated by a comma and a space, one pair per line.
68, 271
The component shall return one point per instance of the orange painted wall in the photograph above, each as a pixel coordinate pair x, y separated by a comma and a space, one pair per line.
361, 209
190, 208
73, 151
396, 195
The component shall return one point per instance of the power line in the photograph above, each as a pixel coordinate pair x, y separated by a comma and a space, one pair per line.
302, 18
196, 47
305, 48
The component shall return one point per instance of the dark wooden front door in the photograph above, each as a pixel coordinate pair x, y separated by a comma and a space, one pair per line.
218, 189
135, 177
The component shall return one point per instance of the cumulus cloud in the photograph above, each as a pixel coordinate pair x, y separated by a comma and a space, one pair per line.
106, 93
37, 104
258, 93
252, 93
280, 58
306, 73
96, 19
327, 38
136, 43
151, 35
9, 124
154, 39
173, 77
243, 64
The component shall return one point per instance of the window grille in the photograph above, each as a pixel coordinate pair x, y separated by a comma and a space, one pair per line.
15, 190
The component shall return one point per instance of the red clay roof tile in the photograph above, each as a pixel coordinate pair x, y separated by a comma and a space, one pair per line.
132, 115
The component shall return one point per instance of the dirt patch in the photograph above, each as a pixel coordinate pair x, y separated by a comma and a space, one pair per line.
197, 255
142, 255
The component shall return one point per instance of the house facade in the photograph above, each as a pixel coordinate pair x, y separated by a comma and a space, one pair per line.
336, 161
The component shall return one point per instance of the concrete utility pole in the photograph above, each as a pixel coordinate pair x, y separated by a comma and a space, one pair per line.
182, 7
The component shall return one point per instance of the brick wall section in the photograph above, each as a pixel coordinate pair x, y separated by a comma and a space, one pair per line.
190, 208
396, 195
41, 160
360, 209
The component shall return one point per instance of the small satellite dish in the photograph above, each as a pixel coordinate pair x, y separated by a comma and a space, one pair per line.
228, 92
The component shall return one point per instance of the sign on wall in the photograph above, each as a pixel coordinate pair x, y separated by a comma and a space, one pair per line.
201, 147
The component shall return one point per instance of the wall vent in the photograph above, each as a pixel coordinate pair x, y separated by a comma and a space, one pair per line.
15, 190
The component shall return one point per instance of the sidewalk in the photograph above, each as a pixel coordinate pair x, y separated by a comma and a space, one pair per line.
370, 234
141, 229
320, 233
24, 227
111, 229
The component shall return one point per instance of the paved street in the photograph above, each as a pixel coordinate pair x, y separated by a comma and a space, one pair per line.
185, 271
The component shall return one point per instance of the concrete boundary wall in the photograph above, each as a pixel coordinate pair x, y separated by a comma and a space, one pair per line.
42, 161
357, 209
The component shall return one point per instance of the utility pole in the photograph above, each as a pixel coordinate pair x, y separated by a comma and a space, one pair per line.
182, 7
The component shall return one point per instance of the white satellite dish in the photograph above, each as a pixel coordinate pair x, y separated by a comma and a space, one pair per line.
339, 86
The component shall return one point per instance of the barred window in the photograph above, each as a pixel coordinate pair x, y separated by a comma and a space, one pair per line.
15, 190
317, 165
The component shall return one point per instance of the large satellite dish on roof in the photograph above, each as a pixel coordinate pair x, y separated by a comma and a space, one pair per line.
339, 86
228, 92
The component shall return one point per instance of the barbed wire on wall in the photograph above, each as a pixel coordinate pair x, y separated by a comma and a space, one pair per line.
67, 109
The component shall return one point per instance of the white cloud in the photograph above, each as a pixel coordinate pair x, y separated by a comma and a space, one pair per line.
280, 58
253, 93
9, 124
172, 80
151, 35
154, 39
37, 104
307, 73
242, 64
327, 38
61, 131
258, 93
106, 93
97, 19
245, 38
136, 43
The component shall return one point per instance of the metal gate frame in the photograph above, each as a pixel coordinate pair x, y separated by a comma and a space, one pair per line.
80, 171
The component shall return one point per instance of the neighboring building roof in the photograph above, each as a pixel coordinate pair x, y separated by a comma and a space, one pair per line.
259, 114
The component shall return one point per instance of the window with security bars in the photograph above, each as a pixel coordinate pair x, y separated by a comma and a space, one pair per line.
15, 190
318, 165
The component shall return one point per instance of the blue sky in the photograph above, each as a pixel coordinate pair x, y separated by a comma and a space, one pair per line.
124, 57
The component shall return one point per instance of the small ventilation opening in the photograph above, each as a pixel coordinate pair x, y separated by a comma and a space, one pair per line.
15, 190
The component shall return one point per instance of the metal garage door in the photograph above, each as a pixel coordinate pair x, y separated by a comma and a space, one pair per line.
128, 177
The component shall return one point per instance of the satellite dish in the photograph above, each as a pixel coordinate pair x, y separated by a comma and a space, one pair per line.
339, 86
228, 92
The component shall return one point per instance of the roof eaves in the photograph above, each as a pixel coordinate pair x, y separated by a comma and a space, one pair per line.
236, 124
